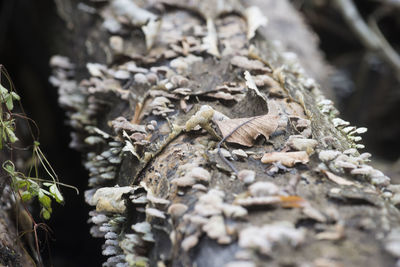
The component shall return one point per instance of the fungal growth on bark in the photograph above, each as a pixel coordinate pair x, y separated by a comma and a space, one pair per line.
207, 146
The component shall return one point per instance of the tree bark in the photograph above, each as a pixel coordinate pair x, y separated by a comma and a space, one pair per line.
146, 111
12, 251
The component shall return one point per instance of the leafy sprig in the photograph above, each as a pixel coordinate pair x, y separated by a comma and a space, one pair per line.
31, 185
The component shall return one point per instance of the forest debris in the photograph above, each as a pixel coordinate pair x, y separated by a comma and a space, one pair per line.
248, 64
337, 179
246, 133
210, 41
233, 211
141, 227
338, 122
258, 201
62, 62
265, 237
337, 234
96, 69
137, 16
177, 210
247, 176
259, 104
121, 74
290, 108
140, 78
210, 203
189, 242
392, 242
240, 264
200, 187
122, 124
302, 144
328, 155
200, 174
284, 201
161, 202
202, 118
215, 229
117, 44
239, 153
230, 91
109, 199
179, 81
288, 159
181, 64
293, 202
150, 31
313, 213
260, 189
255, 19
155, 213
325, 262
354, 195
185, 181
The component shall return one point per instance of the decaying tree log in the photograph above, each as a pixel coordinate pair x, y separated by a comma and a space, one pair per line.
208, 145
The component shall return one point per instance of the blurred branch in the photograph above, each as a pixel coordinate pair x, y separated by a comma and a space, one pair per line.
391, 3
370, 36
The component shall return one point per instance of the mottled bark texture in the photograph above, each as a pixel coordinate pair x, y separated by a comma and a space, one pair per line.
156, 85
12, 251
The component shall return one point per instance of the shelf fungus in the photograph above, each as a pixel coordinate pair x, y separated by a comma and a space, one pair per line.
109, 199
289, 159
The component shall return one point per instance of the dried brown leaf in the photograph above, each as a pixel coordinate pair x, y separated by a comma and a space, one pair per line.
288, 159
292, 201
254, 103
247, 133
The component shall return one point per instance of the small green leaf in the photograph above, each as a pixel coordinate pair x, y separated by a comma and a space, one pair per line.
3, 91
45, 213
56, 193
44, 199
15, 96
9, 102
26, 196
21, 184
11, 135
47, 184
8, 166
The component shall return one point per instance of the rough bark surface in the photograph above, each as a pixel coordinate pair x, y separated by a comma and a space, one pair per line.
12, 252
161, 76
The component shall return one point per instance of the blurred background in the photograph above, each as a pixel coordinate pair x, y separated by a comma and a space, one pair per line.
364, 81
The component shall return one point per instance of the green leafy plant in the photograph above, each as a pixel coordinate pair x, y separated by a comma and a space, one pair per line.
29, 186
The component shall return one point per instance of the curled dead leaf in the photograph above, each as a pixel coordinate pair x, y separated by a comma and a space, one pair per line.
288, 159
246, 130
